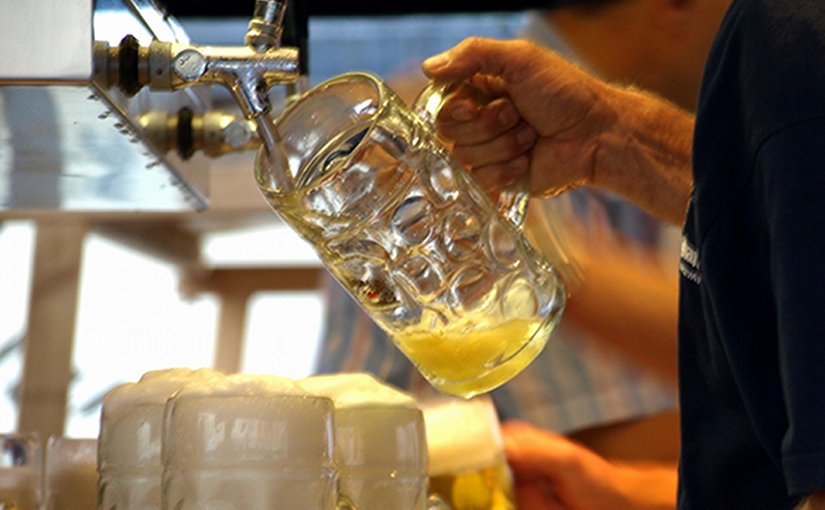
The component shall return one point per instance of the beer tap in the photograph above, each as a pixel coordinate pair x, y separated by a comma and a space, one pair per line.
248, 72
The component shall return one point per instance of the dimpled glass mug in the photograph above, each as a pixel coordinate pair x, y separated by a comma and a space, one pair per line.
446, 273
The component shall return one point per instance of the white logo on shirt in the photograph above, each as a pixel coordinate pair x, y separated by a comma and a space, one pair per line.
689, 262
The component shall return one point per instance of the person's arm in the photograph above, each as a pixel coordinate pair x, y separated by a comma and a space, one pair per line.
630, 304
619, 291
552, 472
815, 501
530, 110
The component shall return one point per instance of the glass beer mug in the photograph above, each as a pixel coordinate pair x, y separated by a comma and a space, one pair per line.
248, 442
468, 469
446, 273
71, 474
21, 471
380, 443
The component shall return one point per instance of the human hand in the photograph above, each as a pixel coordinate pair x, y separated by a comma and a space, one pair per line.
521, 108
553, 473
815, 501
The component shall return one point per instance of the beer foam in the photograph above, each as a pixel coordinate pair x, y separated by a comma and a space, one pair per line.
153, 388
242, 385
179, 374
461, 436
357, 389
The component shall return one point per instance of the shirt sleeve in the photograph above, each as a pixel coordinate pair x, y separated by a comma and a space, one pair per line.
792, 166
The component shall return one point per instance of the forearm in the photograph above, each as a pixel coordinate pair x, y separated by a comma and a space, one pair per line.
649, 487
645, 155
815, 501
630, 304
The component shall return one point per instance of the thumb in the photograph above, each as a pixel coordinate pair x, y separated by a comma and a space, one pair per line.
475, 55
530, 450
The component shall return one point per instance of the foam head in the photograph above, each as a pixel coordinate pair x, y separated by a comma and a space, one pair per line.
380, 445
153, 388
377, 425
132, 417
462, 435
357, 389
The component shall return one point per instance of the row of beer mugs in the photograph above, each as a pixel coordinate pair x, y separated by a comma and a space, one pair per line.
197, 439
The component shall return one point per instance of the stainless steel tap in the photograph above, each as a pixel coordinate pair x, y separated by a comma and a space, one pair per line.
249, 72
267, 25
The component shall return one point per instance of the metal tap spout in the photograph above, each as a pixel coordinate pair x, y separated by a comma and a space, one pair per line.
267, 25
247, 71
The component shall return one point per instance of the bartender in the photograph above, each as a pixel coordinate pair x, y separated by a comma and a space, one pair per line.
749, 176
617, 403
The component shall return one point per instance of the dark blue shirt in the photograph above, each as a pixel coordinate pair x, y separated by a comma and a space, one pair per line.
752, 296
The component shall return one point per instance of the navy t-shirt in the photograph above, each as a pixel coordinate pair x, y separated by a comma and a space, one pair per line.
752, 290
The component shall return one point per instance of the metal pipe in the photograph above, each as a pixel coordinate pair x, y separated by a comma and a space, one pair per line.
267, 25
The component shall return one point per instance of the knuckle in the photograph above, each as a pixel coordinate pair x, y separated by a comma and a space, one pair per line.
462, 154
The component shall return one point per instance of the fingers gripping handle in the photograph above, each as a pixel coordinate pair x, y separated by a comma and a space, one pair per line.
513, 200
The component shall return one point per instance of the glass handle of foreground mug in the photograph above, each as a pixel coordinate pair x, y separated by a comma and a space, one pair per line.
513, 200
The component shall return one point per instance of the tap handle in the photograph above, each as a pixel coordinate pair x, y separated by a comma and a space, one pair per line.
266, 26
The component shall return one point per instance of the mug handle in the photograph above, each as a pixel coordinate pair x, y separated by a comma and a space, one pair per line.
513, 200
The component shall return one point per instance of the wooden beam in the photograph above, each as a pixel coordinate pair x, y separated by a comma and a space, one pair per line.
167, 241
233, 287
231, 331
51, 325
251, 280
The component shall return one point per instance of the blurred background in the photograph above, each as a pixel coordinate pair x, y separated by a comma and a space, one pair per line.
229, 287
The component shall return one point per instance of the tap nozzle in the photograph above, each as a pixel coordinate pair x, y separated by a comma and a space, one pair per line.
267, 25
214, 133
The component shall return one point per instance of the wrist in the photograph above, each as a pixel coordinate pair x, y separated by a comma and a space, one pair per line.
649, 487
644, 152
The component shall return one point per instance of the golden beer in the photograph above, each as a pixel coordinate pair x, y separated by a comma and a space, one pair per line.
489, 488
472, 357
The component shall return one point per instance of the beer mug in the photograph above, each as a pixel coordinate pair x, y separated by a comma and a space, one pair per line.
71, 474
380, 443
131, 431
446, 273
248, 443
20, 471
468, 469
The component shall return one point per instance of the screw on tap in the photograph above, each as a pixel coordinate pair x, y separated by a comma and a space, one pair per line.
189, 64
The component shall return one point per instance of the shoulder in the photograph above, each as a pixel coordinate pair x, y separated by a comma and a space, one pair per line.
787, 34
779, 16
765, 30
768, 64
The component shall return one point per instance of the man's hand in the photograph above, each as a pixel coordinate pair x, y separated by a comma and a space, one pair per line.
518, 108
521, 104
553, 473
815, 501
